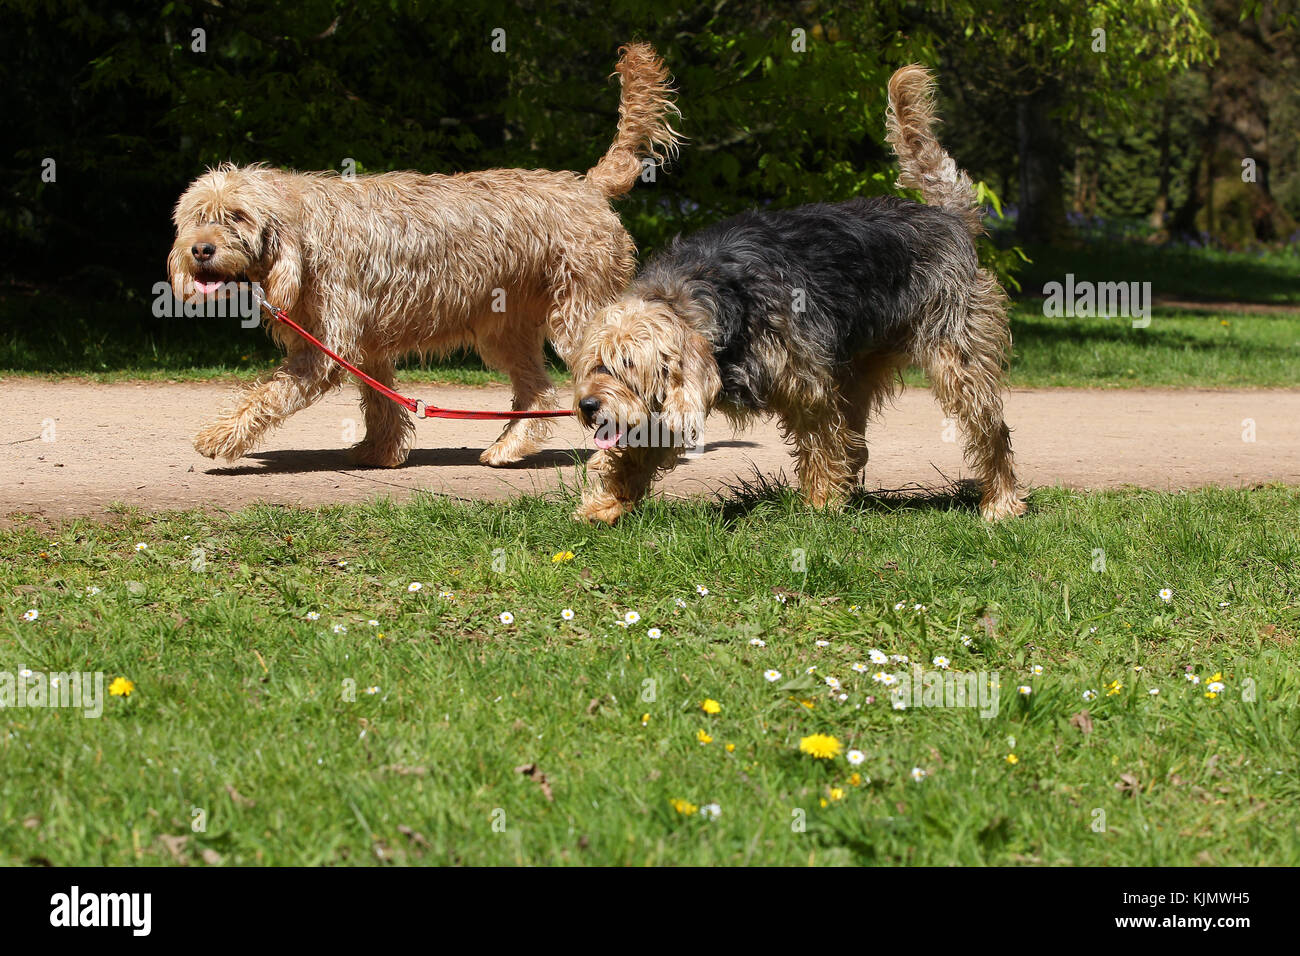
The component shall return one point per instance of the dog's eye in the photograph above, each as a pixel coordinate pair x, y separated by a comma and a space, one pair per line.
627, 363
600, 370
237, 217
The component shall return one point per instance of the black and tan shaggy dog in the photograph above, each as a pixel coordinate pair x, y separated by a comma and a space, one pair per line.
809, 314
382, 266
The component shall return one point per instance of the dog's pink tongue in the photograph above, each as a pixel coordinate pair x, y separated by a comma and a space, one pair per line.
206, 287
604, 443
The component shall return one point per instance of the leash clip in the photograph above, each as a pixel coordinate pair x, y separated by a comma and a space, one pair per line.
420, 408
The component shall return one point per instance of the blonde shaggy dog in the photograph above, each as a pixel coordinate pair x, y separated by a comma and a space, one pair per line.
809, 314
382, 266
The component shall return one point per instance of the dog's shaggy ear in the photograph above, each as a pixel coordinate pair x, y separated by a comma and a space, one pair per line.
282, 258
693, 385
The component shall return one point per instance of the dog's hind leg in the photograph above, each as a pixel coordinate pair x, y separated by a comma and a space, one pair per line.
303, 378
517, 350
390, 433
966, 373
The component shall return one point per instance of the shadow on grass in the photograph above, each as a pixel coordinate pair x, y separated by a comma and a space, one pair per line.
747, 495
1173, 271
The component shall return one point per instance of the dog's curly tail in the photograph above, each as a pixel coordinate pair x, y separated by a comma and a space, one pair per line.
644, 128
922, 162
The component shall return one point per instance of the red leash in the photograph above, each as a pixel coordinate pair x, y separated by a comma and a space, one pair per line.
414, 405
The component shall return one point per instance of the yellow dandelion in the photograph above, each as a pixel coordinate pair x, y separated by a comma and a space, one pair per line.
703, 737
836, 793
645, 720
855, 779
1013, 759
121, 687
710, 706
820, 746
560, 557
684, 807
1113, 688
731, 748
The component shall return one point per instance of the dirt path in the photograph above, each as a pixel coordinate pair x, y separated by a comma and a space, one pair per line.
130, 443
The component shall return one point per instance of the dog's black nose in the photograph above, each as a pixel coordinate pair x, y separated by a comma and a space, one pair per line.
203, 251
589, 405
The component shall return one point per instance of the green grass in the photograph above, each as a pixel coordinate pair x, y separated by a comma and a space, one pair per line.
240, 708
1178, 349
1174, 271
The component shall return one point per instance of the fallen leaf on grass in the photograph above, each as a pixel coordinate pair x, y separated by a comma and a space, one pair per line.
239, 799
1082, 720
414, 836
1128, 784
404, 770
530, 771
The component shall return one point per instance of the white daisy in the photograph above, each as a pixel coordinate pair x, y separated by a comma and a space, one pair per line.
313, 615
372, 622
855, 758
967, 640
1025, 690
1223, 603
823, 643
506, 617
772, 675
1192, 678
31, 615
710, 811
877, 657
92, 590
631, 617
900, 605
701, 590
780, 598
414, 586
1089, 695
941, 662
1166, 594
25, 673
372, 690
757, 642
654, 633
918, 774
567, 614
920, 607
889, 680
340, 629
141, 546
899, 658
859, 668
679, 602
1154, 691
1037, 670
811, 669
1215, 686
832, 682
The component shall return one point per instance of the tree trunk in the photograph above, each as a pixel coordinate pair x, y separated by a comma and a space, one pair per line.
1042, 192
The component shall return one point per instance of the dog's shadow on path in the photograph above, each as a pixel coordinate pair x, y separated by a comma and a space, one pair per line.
305, 461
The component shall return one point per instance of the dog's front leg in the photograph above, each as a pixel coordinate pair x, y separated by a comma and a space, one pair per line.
622, 479
302, 379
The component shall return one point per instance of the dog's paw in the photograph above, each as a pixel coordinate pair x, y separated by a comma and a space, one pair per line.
220, 440
500, 453
602, 511
1001, 508
371, 455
